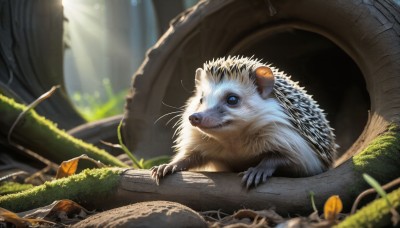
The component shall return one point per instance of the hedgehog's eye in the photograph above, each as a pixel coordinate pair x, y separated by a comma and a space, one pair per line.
201, 100
232, 100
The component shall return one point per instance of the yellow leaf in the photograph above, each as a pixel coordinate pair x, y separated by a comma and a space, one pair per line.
333, 206
67, 168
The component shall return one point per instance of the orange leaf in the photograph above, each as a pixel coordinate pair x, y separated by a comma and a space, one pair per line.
12, 218
17, 221
67, 168
333, 206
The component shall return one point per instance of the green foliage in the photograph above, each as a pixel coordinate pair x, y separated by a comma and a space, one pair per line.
154, 161
375, 214
135, 161
92, 107
140, 164
312, 194
378, 188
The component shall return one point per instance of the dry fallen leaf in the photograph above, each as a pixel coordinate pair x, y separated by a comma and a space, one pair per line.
67, 168
17, 221
64, 211
333, 206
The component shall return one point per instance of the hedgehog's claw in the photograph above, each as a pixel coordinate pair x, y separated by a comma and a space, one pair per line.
256, 175
160, 171
157, 172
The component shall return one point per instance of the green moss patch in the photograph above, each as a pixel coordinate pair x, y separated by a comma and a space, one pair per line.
79, 188
381, 159
45, 138
375, 214
9, 187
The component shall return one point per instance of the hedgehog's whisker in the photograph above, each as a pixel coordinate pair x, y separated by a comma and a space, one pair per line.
178, 129
167, 114
173, 119
170, 106
177, 122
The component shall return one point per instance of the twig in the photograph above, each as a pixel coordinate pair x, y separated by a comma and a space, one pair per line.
4, 178
218, 213
39, 174
99, 164
29, 107
20, 116
370, 191
112, 145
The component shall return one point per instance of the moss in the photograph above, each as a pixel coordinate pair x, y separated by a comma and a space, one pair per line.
9, 187
34, 129
381, 159
375, 214
79, 188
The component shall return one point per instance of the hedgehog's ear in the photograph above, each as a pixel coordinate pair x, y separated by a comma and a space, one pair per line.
198, 76
265, 80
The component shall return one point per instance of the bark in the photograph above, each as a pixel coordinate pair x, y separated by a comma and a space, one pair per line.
31, 57
42, 136
166, 11
213, 191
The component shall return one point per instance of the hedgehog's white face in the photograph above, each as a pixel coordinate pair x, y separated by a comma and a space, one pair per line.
223, 108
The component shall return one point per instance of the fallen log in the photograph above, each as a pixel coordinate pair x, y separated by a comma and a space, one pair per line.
42, 136
212, 191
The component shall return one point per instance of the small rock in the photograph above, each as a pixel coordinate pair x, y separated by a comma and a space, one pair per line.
146, 214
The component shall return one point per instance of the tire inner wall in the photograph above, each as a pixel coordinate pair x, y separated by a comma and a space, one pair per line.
326, 72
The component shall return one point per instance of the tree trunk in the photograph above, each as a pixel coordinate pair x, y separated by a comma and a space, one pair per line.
31, 50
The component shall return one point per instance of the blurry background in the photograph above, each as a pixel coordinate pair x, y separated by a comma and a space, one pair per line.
106, 42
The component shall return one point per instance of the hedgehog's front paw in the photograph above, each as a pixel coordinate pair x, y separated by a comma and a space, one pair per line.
157, 172
256, 175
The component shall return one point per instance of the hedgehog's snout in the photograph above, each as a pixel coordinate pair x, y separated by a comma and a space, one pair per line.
195, 119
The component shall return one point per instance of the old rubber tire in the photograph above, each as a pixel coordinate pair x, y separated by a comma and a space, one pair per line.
366, 32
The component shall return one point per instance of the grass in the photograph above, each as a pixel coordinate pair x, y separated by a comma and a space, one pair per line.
92, 107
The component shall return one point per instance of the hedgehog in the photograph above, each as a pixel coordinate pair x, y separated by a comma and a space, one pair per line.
249, 117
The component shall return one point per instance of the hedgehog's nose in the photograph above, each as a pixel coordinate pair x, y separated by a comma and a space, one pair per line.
195, 119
